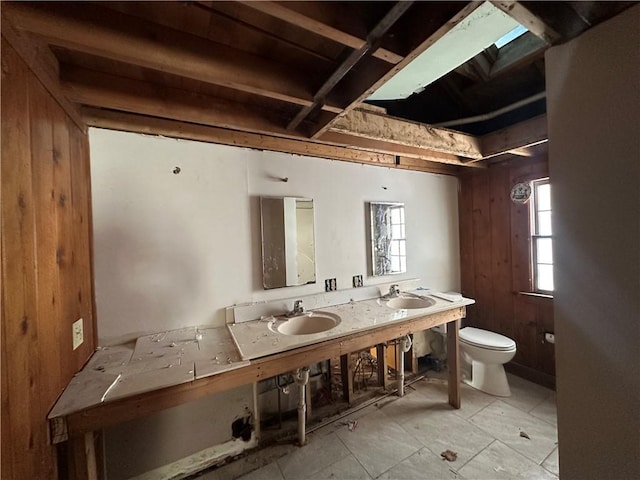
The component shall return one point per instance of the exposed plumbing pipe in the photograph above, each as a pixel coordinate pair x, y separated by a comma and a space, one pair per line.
302, 378
495, 113
405, 346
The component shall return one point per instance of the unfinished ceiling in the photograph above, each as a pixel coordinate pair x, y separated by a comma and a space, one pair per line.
296, 76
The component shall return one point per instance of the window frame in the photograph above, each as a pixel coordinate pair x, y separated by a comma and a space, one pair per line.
535, 236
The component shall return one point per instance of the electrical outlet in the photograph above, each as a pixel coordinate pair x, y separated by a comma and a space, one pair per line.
330, 285
77, 331
357, 281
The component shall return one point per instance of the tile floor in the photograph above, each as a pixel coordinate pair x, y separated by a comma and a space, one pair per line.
402, 438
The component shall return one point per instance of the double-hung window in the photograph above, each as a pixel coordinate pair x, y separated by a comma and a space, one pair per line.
541, 236
398, 254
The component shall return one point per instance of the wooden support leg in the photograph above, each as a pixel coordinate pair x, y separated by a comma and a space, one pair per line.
383, 366
453, 363
82, 457
347, 377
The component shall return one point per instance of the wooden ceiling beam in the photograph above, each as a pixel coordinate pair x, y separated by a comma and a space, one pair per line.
371, 86
283, 12
175, 129
374, 37
367, 124
337, 138
88, 87
107, 33
524, 134
525, 17
408, 163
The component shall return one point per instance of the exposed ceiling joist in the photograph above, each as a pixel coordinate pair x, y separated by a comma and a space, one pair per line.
373, 38
525, 17
380, 80
374, 126
524, 134
158, 126
337, 138
103, 32
284, 12
102, 90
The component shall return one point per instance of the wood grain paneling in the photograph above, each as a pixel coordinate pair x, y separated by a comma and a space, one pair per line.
496, 264
46, 264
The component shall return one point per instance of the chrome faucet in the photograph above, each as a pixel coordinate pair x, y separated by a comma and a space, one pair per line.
298, 309
394, 291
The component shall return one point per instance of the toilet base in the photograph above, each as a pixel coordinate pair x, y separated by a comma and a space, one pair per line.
489, 378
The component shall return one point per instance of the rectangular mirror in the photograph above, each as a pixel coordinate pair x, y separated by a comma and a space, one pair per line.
288, 243
388, 242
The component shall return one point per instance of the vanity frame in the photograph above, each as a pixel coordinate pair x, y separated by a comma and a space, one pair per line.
81, 426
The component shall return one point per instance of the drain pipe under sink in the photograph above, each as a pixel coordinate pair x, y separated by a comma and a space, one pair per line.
302, 378
405, 346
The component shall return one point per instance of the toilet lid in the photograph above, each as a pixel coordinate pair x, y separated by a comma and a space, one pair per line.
485, 339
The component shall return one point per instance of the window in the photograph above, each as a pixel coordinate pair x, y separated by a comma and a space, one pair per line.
541, 236
398, 253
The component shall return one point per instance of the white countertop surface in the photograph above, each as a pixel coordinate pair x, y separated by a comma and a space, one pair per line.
184, 355
254, 339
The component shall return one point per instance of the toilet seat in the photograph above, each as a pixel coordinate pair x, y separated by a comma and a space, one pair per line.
485, 339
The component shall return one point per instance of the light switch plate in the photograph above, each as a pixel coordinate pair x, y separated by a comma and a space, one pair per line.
77, 331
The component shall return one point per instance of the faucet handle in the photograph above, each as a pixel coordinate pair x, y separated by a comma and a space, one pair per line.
297, 306
395, 288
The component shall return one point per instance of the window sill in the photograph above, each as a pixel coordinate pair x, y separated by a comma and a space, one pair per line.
537, 295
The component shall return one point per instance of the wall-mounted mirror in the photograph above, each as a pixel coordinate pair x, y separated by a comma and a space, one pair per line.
388, 242
288, 243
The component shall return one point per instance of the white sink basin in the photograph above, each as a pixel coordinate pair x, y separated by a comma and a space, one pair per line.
308, 323
410, 303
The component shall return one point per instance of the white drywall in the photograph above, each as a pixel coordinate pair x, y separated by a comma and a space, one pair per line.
173, 250
593, 85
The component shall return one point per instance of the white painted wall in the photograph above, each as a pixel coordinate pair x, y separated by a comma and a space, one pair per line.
176, 250
593, 85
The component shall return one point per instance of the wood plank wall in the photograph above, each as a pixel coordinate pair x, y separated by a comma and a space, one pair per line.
46, 264
496, 265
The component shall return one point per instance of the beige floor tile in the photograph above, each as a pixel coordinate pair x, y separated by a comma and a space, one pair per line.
547, 411
419, 466
412, 405
551, 462
347, 469
378, 443
441, 430
525, 395
471, 400
498, 461
317, 455
505, 423
268, 472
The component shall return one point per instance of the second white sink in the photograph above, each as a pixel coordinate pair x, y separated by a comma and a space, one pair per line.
308, 323
410, 303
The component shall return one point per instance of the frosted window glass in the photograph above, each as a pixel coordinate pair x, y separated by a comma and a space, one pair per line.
396, 215
402, 249
396, 232
544, 197
544, 223
544, 250
395, 264
544, 277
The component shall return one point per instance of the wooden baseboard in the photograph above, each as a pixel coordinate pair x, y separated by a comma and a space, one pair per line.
531, 374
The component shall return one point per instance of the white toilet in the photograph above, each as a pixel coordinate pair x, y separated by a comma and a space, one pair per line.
486, 352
